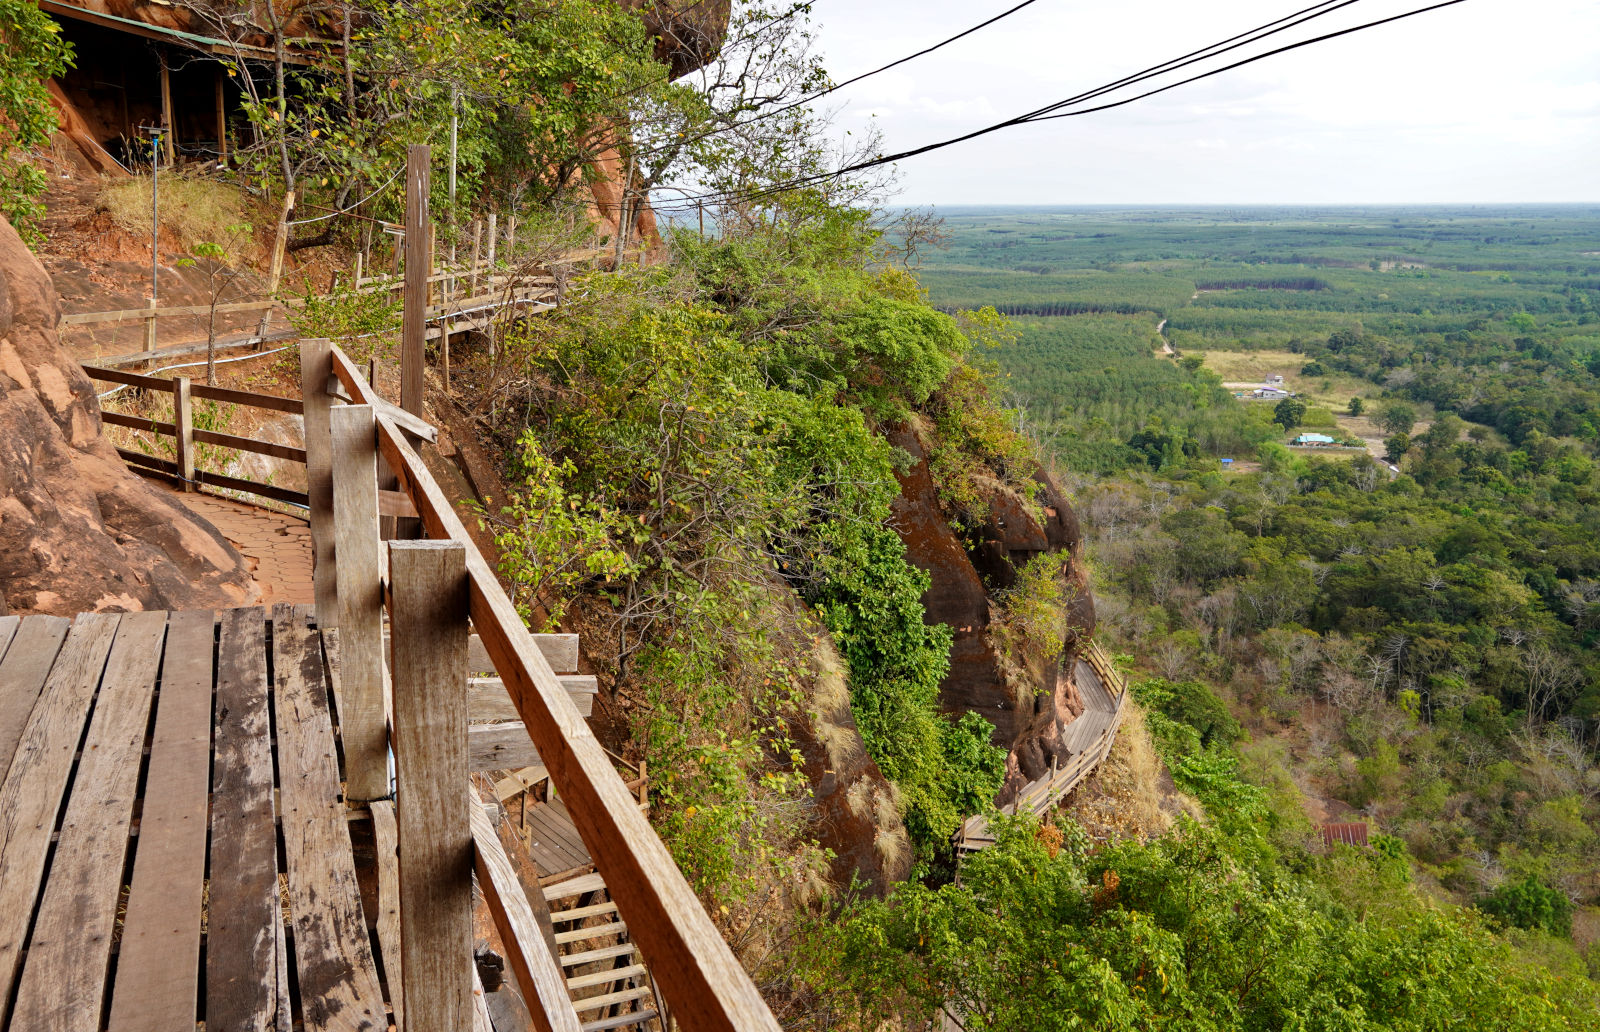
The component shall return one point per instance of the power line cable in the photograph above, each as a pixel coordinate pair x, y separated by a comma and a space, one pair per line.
1044, 114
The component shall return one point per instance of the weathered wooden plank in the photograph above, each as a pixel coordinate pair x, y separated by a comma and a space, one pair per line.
699, 976
136, 314
8, 629
355, 532
207, 478
242, 991
559, 650
30, 796
64, 981
488, 700
537, 970
338, 978
429, 617
500, 747
419, 266
157, 986
386, 838
34, 646
155, 426
316, 365
249, 399
249, 444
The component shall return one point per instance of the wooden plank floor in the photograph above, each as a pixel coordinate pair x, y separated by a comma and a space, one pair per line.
553, 840
173, 839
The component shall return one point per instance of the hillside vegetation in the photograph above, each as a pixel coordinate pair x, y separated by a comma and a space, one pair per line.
1415, 650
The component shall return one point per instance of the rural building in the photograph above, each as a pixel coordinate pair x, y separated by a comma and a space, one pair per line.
1314, 440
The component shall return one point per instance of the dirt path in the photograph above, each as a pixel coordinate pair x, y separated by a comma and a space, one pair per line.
1166, 345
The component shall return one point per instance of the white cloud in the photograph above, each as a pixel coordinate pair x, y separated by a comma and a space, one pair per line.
1486, 101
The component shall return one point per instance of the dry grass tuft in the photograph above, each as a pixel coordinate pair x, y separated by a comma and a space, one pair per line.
193, 211
1130, 795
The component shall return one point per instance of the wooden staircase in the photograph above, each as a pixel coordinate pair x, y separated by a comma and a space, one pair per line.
609, 983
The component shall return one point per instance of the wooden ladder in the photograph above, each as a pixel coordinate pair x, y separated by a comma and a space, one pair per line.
607, 978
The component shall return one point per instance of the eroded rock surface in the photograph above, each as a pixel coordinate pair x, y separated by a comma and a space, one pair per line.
78, 531
1030, 704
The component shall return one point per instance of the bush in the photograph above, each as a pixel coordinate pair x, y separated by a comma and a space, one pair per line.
1530, 903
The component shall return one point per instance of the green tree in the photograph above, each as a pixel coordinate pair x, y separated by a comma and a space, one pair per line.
1357, 406
1397, 417
31, 51
1289, 412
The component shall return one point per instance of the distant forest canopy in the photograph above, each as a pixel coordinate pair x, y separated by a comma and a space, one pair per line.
1411, 634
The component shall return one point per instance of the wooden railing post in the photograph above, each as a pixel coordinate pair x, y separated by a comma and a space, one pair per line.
414, 318
428, 593
150, 328
477, 242
316, 366
356, 549
183, 420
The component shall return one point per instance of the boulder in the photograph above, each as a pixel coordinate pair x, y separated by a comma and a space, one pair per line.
78, 531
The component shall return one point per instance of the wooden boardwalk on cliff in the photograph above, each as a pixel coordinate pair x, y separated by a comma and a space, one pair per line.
1086, 741
254, 819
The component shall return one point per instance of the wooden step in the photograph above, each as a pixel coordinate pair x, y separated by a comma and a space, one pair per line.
638, 992
580, 934
574, 886
579, 913
621, 974
604, 953
620, 1021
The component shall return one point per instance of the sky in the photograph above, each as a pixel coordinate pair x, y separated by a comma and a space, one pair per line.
1491, 101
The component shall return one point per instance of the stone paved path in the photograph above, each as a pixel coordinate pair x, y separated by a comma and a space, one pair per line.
276, 546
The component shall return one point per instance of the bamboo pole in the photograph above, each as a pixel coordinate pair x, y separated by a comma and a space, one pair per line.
413, 336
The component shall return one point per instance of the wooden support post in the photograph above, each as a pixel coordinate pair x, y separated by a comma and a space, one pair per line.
316, 368
150, 327
280, 243
398, 250
183, 420
477, 240
511, 241
428, 593
222, 116
355, 528
492, 239
413, 333
168, 122
360, 257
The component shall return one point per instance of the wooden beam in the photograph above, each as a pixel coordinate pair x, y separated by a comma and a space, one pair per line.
222, 115
413, 330
429, 600
536, 968
316, 366
168, 122
356, 548
280, 244
500, 747
340, 386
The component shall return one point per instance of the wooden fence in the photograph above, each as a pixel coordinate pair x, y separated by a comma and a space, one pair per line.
430, 593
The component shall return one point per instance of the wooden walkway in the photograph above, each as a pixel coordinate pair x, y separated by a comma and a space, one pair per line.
152, 764
1086, 742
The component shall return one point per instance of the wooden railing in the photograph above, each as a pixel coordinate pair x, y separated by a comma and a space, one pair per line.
349, 447
186, 436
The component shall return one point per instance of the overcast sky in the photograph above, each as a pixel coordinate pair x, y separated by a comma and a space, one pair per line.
1489, 100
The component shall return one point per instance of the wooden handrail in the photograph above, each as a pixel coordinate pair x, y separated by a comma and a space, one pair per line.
698, 974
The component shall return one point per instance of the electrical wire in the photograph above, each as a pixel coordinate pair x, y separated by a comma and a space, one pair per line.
1050, 112
353, 207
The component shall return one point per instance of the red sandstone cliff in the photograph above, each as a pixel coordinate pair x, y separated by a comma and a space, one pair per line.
1029, 704
78, 531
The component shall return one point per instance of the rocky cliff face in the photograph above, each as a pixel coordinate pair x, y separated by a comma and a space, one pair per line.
78, 531
1029, 704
